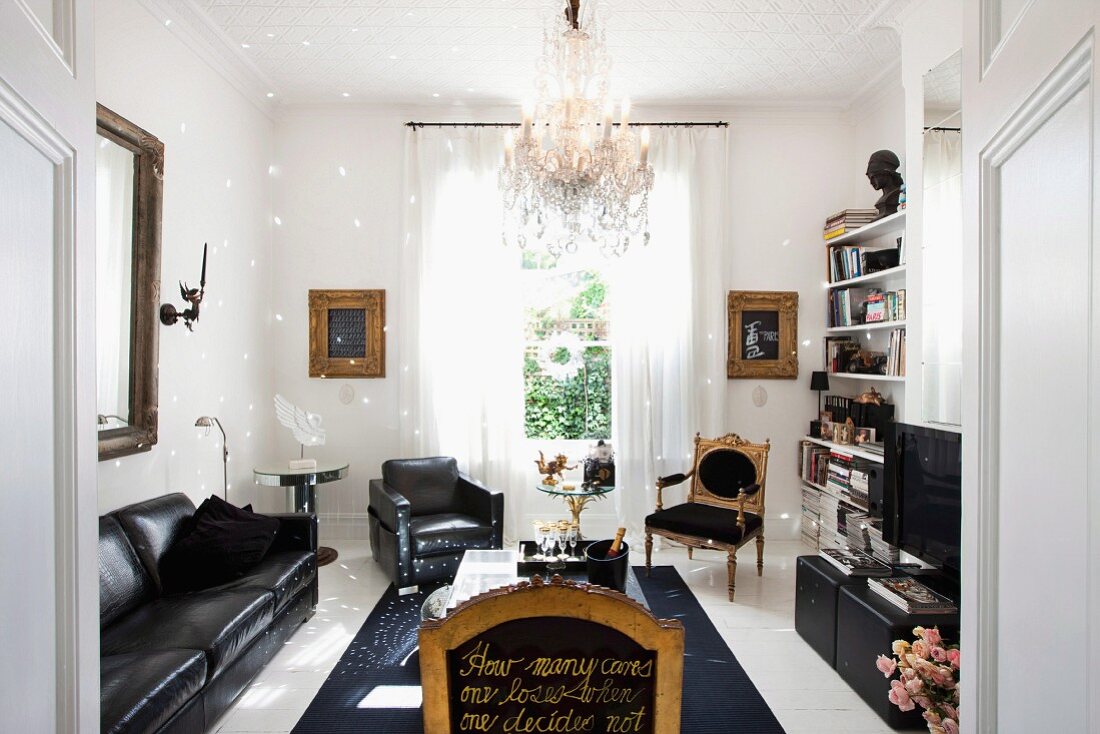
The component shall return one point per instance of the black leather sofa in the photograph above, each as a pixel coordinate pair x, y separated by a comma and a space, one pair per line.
175, 662
424, 514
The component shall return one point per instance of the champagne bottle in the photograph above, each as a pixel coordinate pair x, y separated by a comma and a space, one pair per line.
616, 544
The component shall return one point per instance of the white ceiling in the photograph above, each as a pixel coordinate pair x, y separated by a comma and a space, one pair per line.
484, 51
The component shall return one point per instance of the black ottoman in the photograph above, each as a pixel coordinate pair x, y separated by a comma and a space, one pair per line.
818, 584
867, 626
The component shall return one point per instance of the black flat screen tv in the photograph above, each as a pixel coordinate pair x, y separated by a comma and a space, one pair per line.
922, 497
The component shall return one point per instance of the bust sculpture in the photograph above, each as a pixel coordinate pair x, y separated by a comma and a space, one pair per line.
882, 172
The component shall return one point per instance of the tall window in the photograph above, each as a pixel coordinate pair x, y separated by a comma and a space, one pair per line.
567, 357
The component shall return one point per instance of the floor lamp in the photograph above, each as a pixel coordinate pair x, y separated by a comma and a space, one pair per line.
206, 422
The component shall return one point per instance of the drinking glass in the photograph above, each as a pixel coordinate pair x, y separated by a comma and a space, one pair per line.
540, 540
553, 535
571, 538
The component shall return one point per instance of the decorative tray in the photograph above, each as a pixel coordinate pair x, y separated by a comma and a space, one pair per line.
529, 564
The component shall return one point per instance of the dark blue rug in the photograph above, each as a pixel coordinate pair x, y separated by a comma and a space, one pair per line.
718, 695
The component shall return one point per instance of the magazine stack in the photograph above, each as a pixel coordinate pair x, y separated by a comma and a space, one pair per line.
853, 563
880, 549
911, 596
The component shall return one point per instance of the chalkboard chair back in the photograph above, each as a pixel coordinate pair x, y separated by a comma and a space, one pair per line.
551, 656
725, 502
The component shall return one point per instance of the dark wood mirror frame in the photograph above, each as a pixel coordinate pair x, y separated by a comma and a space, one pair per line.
148, 150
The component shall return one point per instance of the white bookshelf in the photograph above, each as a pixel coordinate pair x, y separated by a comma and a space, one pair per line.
866, 378
895, 273
875, 229
900, 324
849, 449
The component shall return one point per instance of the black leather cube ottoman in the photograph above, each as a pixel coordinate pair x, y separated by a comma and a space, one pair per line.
817, 584
867, 626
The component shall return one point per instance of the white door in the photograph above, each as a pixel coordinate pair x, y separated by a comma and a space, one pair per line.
1031, 475
49, 609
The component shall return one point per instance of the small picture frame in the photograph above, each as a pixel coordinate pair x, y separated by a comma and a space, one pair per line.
843, 433
762, 334
864, 435
347, 333
825, 416
827, 430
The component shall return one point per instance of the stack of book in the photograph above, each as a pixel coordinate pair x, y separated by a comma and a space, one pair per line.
856, 531
895, 353
880, 549
838, 353
811, 515
853, 563
848, 220
840, 470
911, 596
881, 306
840, 307
859, 482
828, 535
815, 466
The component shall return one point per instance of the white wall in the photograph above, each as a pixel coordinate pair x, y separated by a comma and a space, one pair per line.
318, 245
788, 175
790, 168
216, 190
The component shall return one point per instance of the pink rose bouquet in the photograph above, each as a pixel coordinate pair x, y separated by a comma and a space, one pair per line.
928, 676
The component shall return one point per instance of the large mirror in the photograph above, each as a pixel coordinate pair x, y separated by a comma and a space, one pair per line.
129, 174
942, 227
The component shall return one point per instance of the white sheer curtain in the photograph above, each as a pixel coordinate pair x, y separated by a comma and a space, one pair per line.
460, 320
941, 377
114, 224
668, 322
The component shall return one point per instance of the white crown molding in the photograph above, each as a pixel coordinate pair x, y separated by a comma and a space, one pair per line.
199, 33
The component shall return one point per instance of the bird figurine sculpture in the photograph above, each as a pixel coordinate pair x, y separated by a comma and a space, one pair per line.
305, 426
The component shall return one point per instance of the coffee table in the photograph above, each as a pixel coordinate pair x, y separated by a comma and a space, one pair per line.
576, 499
482, 570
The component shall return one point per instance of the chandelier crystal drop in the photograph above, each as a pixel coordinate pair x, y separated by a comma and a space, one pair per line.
569, 175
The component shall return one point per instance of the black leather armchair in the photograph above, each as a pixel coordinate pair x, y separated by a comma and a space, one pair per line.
424, 514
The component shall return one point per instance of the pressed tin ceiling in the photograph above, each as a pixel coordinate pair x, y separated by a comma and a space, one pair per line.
484, 51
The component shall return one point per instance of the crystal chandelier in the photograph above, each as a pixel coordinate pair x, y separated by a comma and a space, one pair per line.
571, 176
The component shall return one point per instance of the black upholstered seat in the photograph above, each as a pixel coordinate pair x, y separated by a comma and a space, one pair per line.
140, 691
284, 574
704, 521
221, 623
447, 532
424, 514
725, 502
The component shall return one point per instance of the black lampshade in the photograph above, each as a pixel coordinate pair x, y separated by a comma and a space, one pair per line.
819, 381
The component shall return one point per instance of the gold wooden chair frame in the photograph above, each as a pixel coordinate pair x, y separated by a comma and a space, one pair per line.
537, 599
729, 474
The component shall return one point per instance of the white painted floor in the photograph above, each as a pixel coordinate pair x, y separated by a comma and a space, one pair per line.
805, 693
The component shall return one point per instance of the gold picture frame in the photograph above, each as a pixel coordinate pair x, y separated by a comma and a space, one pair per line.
763, 335
347, 333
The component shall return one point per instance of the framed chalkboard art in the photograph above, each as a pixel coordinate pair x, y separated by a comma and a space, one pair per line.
347, 333
551, 656
763, 334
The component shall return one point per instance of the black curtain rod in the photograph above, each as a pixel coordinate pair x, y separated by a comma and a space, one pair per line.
415, 125
947, 129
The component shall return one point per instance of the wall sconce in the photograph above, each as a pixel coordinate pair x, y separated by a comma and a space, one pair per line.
168, 313
206, 422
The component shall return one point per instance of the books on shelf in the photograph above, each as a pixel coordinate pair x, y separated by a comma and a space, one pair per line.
895, 353
876, 306
911, 596
848, 220
880, 549
854, 563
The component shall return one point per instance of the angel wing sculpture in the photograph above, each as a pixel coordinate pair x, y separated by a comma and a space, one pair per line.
305, 426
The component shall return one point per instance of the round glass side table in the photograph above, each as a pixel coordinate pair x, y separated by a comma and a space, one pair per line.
301, 489
576, 499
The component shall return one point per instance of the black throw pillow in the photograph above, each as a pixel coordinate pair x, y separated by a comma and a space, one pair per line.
220, 545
